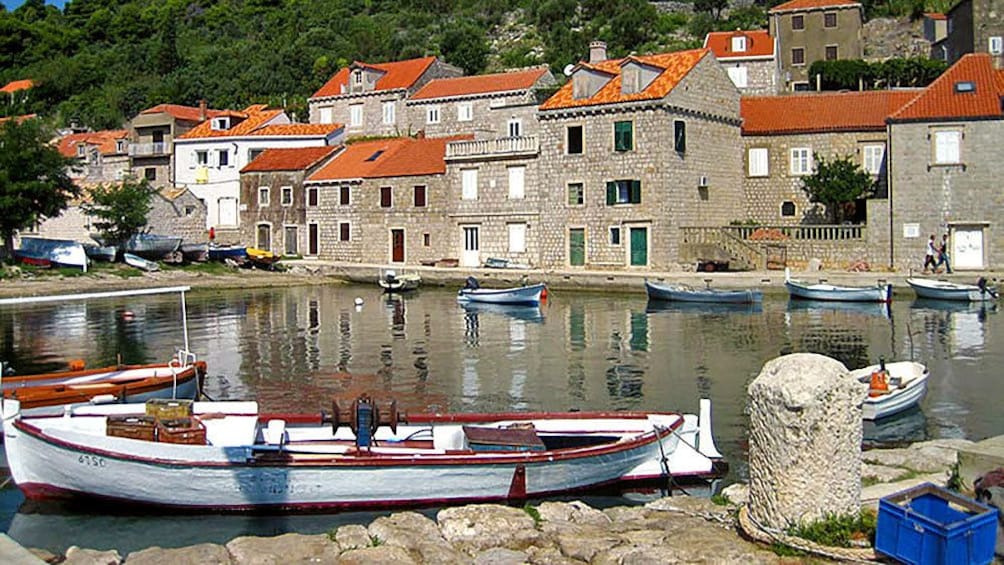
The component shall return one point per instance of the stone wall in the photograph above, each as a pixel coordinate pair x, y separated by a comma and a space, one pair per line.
814, 39
490, 115
961, 36
72, 224
276, 215
761, 76
178, 213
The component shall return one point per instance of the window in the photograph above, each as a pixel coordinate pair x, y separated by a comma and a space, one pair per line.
623, 136
623, 192
286, 198
432, 115
787, 208
223, 157
517, 238
426, 240
81, 149
947, 147
574, 134
201, 157
119, 146
385, 197
356, 115
312, 196
757, 162
291, 240
465, 112
576, 194
469, 183
801, 161
189, 210
615, 235
254, 153
343, 231
221, 123
389, 112
798, 22
798, 56
873, 154
150, 173
343, 195
516, 187
419, 196
739, 76
680, 136
515, 127
996, 46
357, 77
831, 53
739, 43
313, 239
325, 116
263, 196
95, 156
830, 19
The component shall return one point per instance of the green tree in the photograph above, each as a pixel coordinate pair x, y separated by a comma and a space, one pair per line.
713, 7
121, 209
465, 46
837, 182
34, 179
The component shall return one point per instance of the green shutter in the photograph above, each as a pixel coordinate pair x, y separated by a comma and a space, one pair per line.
635, 191
623, 136
611, 193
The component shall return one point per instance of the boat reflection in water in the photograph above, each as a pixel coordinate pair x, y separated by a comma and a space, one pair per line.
906, 427
524, 312
659, 306
953, 306
865, 308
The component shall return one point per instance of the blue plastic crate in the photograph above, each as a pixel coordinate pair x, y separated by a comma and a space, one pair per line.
929, 525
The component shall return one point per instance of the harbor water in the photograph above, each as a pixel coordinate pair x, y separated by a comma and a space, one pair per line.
294, 349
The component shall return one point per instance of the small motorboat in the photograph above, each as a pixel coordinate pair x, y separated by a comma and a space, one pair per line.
824, 291
103, 253
261, 258
44, 252
393, 282
140, 263
893, 387
944, 290
152, 246
364, 453
683, 293
473, 292
223, 252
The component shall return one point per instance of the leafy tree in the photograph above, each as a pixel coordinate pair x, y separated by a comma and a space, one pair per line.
465, 46
713, 7
34, 179
837, 182
121, 209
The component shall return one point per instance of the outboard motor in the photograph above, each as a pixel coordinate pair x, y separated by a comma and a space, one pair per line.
471, 283
390, 277
982, 283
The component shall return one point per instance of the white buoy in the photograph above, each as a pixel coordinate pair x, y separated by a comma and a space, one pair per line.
359, 301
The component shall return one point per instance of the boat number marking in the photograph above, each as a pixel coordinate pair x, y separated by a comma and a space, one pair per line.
91, 460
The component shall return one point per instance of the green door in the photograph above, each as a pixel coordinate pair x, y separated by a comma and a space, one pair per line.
639, 247
577, 247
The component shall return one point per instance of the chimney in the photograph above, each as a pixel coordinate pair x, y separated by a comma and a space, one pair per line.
597, 51
202, 110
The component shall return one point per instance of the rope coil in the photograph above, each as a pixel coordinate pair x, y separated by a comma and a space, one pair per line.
757, 532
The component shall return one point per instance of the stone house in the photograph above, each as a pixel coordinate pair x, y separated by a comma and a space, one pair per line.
151, 139
945, 169
782, 135
275, 215
208, 159
370, 98
814, 30
748, 57
381, 201
973, 26
101, 156
935, 29
632, 150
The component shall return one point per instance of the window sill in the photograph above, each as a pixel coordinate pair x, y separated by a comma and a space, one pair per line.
961, 166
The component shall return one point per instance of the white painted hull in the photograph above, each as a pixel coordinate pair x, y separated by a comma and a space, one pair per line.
944, 290
839, 293
914, 380
520, 295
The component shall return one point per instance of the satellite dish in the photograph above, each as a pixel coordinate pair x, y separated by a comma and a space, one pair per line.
568, 69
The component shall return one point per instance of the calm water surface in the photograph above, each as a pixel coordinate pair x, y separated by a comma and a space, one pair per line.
294, 349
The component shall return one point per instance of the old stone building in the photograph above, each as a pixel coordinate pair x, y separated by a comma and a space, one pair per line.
370, 98
101, 156
973, 26
748, 57
151, 139
632, 150
382, 201
814, 30
275, 214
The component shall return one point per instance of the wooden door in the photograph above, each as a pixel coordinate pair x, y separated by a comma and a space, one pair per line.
397, 246
639, 247
577, 247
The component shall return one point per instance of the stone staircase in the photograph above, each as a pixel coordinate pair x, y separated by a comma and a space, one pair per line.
720, 244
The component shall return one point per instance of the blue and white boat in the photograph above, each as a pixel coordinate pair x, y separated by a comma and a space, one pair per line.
519, 295
681, 293
905, 386
832, 292
58, 252
222, 252
152, 246
944, 290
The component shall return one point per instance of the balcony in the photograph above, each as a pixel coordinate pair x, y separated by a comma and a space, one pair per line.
492, 148
149, 149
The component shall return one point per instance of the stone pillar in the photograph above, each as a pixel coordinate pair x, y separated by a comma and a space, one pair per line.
805, 441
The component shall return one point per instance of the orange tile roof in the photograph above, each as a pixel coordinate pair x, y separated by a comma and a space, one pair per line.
797, 5
481, 84
255, 117
941, 100
759, 43
183, 113
397, 74
289, 159
821, 112
16, 85
674, 67
935, 16
104, 140
298, 129
398, 157
18, 119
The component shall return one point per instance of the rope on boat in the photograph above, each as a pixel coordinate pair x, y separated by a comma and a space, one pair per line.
757, 532
664, 461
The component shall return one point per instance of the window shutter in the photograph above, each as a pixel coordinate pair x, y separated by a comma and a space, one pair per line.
611, 193
636, 192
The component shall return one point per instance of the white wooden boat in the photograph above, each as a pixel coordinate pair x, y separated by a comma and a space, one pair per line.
945, 290
243, 460
104, 253
152, 246
906, 387
518, 295
831, 292
393, 282
140, 263
58, 252
683, 293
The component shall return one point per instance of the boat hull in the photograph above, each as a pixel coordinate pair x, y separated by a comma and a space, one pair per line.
521, 295
195, 252
58, 252
151, 246
914, 377
140, 263
227, 252
399, 284
681, 294
941, 290
835, 293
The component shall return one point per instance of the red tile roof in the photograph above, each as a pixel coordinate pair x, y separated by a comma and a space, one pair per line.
935, 16
822, 112
183, 113
298, 129
482, 84
759, 43
942, 99
296, 159
398, 74
798, 5
392, 157
16, 85
254, 117
674, 67
18, 119
104, 140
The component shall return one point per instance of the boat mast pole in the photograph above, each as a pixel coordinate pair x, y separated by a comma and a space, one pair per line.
184, 323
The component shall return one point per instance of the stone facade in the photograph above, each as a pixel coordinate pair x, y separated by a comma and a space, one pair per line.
151, 140
814, 39
178, 212
974, 26
491, 115
277, 222
761, 75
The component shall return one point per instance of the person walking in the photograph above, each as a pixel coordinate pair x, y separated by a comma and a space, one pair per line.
943, 255
931, 255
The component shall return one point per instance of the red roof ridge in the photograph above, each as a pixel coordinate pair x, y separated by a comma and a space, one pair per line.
290, 158
795, 5
397, 75
940, 99
480, 84
820, 112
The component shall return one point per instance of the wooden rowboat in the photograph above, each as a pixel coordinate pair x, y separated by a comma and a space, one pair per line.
945, 290
907, 386
681, 293
831, 292
519, 295
393, 282
140, 263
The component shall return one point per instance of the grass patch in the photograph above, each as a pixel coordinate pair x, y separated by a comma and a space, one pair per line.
208, 267
782, 550
838, 531
533, 513
375, 541
870, 481
954, 482
721, 499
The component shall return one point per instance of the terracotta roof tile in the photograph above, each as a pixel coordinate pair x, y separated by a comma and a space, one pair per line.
759, 43
481, 84
104, 140
822, 112
289, 159
398, 74
797, 5
254, 117
942, 98
16, 85
183, 113
18, 119
393, 157
935, 16
298, 129
674, 67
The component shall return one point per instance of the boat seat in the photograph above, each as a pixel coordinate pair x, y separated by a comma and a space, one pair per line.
275, 433
450, 437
